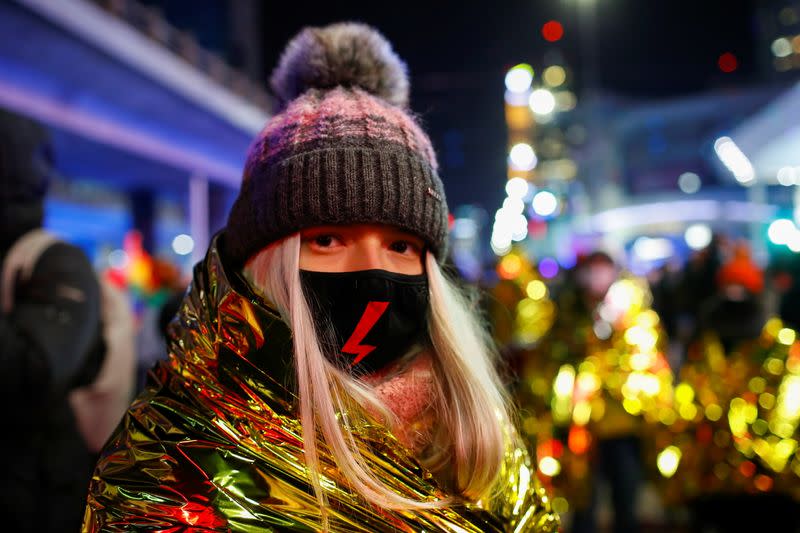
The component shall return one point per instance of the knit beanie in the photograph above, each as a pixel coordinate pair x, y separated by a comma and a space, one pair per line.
342, 148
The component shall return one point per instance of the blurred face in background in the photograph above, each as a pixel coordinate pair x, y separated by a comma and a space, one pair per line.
596, 277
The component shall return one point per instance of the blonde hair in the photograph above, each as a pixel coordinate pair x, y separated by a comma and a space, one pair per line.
471, 403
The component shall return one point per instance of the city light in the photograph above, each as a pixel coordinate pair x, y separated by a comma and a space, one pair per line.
519, 78
668, 461
519, 228
727, 62
549, 466
786, 336
565, 100
522, 157
501, 242
542, 102
183, 244
794, 241
698, 236
788, 176
648, 249
517, 188
516, 99
781, 47
781, 231
513, 204
536, 289
565, 381
689, 182
733, 158
554, 75
552, 31
548, 267
509, 267
545, 203
502, 231
465, 229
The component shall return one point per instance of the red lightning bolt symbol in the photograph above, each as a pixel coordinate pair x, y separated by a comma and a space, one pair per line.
353, 345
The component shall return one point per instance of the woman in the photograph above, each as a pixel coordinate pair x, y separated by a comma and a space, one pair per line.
323, 373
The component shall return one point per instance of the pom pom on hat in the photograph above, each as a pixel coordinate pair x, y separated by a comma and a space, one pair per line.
346, 54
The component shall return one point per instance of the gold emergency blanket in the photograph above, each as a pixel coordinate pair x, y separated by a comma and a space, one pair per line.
213, 442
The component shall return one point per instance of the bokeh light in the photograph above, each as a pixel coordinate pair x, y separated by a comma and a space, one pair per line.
689, 182
781, 47
514, 204
536, 289
509, 267
548, 267
519, 228
565, 100
522, 157
781, 231
788, 176
545, 203
698, 236
519, 78
500, 246
465, 229
549, 466
517, 188
652, 249
786, 336
733, 158
554, 75
668, 461
552, 31
728, 62
183, 244
542, 102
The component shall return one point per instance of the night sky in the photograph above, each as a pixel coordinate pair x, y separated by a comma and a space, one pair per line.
457, 53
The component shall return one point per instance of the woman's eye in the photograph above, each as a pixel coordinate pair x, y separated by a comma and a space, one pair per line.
401, 247
323, 240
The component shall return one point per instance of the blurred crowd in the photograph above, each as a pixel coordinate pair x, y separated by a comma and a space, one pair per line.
674, 398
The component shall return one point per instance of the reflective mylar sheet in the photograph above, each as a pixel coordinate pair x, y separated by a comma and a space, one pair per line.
213, 442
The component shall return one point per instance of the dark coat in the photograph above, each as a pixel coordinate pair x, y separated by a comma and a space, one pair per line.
50, 343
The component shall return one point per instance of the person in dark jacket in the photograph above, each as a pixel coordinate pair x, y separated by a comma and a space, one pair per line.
50, 343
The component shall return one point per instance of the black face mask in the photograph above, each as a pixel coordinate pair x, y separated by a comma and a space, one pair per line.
376, 316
